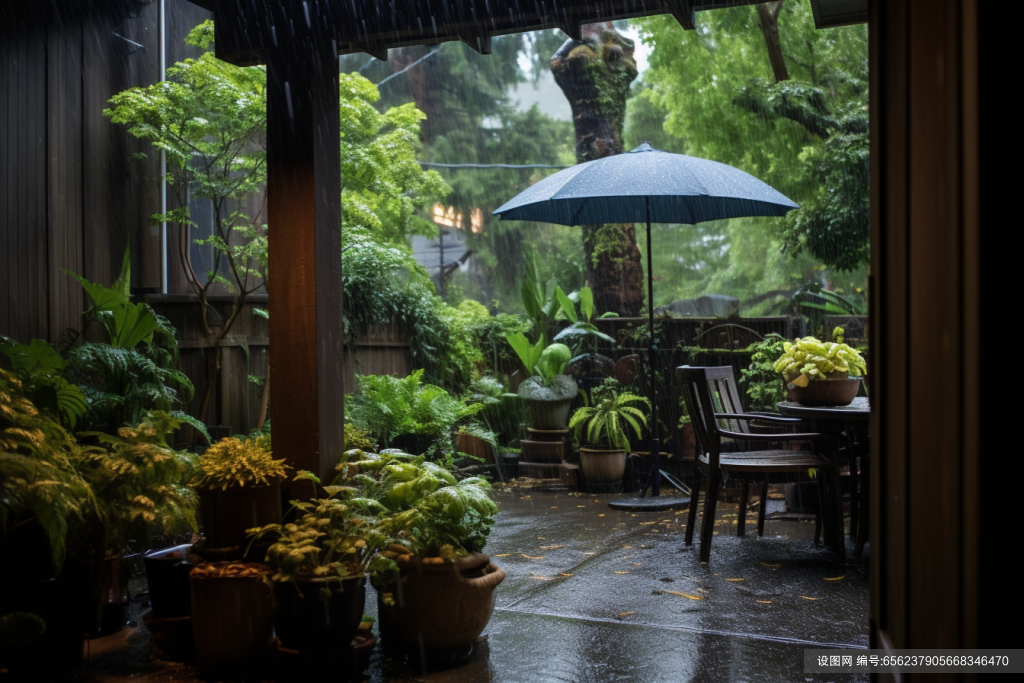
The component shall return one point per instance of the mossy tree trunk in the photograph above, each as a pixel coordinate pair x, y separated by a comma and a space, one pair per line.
595, 74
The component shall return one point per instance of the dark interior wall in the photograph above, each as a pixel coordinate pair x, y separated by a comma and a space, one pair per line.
72, 194
940, 448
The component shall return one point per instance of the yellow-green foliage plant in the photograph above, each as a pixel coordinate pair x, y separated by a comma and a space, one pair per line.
327, 541
39, 481
140, 482
808, 358
235, 462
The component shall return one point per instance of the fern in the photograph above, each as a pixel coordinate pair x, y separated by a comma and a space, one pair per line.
41, 369
38, 478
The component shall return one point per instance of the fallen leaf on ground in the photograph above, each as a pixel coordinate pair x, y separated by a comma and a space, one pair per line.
581, 506
637, 564
505, 555
564, 574
735, 579
647, 523
526, 497
621, 572
625, 614
601, 515
554, 507
835, 578
807, 597
627, 546
551, 547
529, 557
773, 566
540, 578
685, 595
765, 602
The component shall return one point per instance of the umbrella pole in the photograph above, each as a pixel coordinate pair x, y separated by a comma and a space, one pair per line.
654, 477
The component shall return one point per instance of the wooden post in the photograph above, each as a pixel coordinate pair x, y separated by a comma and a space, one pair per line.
304, 210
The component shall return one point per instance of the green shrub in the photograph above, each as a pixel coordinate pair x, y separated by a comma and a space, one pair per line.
389, 407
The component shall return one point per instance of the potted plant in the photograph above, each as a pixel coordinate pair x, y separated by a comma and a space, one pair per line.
45, 510
140, 486
818, 373
239, 485
435, 586
318, 563
603, 428
548, 391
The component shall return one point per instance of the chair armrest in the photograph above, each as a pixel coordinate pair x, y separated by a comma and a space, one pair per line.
769, 437
759, 416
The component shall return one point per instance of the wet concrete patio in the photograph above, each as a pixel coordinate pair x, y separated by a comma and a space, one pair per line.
594, 594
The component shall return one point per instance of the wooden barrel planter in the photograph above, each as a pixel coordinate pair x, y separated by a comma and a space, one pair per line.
232, 617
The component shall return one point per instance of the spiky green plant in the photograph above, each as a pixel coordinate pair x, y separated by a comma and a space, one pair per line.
606, 422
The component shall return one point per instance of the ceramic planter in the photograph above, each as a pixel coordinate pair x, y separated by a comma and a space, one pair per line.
232, 618
441, 606
549, 414
826, 392
602, 466
304, 622
227, 514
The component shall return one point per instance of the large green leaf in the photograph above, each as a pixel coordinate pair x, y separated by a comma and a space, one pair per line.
587, 303
568, 307
528, 353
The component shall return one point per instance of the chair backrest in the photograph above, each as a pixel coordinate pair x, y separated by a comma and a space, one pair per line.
695, 384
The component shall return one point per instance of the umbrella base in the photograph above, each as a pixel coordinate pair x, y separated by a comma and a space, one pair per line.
649, 504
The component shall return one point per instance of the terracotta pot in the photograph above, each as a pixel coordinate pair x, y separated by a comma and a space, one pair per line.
167, 572
689, 440
232, 622
475, 446
442, 606
826, 392
227, 514
549, 414
602, 466
304, 622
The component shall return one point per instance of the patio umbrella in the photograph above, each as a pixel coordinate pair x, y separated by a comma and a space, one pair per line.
646, 185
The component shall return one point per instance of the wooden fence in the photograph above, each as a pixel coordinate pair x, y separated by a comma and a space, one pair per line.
235, 401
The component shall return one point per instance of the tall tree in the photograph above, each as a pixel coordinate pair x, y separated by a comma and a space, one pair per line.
595, 74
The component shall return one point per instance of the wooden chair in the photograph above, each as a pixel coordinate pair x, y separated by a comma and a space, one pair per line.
713, 403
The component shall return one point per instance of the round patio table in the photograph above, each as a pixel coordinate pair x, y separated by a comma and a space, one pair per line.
850, 424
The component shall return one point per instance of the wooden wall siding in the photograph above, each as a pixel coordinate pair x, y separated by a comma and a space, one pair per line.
71, 197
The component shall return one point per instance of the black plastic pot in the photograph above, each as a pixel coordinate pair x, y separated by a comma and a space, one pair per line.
227, 514
67, 605
802, 497
511, 464
414, 444
304, 622
167, 576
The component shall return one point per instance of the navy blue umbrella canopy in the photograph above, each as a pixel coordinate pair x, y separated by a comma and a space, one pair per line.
647, 185
621, 189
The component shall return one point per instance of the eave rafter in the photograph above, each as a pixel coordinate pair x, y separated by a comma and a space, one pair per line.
247, 30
